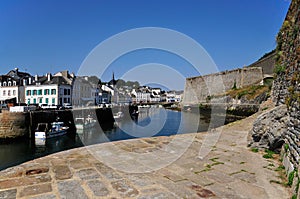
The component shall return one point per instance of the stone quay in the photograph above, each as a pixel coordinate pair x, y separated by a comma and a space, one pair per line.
227, 170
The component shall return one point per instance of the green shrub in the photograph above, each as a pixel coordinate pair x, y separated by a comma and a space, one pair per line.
279, 69
234, 86
242, 93
280, 168
255, 150
286, 147
291, 178
269, 154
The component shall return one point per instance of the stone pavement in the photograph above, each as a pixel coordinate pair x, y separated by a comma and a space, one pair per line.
158, 167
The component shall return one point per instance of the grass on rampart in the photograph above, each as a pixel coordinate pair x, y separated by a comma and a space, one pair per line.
249, 92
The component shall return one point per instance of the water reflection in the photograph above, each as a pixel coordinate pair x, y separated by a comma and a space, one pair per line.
152, 122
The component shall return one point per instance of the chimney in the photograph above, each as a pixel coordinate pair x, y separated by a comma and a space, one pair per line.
36, 77
24, 82
17, 70
49, 76
29, 80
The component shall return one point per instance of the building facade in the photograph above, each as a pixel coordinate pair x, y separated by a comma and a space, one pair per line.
12, 86
50, 90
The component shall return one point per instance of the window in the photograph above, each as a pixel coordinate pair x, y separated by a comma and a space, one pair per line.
41, 100
14, 83
28, 92
34, 92
47, 92
0, 83
14, 92
4, 93
28, 101
53, 100
47, 100
4, 83
39, 92
34, 101
8, 93
9, 83
53, 92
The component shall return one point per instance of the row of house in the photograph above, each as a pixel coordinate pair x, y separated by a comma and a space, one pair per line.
145, 94
65, 88
58, 89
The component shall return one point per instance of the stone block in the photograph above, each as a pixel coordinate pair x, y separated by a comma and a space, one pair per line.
35, 190
71, 189
8, 194
62, 172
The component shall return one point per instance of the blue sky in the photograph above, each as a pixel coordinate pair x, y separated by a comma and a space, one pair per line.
53, 35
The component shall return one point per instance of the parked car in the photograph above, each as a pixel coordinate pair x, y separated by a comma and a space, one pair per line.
3, 106
67, 106
46, 106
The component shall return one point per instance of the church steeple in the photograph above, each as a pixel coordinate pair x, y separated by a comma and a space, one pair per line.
113, 82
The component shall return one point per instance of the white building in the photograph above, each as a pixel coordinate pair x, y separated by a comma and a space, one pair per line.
174, 96
106, 94
141, 95
50, 89
12, 86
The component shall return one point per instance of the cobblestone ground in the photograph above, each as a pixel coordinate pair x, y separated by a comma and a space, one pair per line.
230, 170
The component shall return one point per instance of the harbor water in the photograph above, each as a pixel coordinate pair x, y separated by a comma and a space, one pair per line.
151, 122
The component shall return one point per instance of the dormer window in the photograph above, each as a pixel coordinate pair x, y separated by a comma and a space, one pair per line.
9, 83
4, 83
14, 83
0, 83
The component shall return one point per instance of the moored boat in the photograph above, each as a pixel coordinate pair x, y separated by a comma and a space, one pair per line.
118, 115
43, 131
85, 123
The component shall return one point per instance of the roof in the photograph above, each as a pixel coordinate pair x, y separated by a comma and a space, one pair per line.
16, 74
55, 80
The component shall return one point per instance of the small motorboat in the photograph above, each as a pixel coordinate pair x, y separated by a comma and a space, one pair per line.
43, 131
118, 115
85, 123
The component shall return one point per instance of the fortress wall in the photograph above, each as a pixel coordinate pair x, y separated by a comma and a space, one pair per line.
198, 89
267, 64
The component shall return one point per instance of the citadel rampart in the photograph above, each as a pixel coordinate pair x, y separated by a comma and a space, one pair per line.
267, 64
198, 89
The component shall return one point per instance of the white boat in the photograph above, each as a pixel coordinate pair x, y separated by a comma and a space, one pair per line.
144, 106
43, 131
85, 123
118, 115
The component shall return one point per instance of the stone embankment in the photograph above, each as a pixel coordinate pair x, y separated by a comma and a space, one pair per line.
280, 127
228, 169
14, 125
269, 129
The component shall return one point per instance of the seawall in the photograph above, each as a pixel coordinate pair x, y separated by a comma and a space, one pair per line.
14, 125
283, 122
